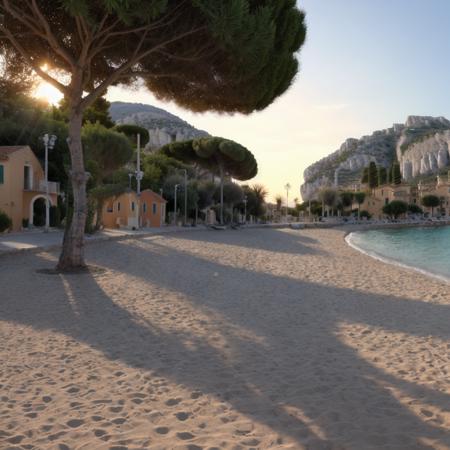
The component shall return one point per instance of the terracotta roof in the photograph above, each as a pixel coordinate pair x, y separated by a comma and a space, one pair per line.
8, 149
161, 199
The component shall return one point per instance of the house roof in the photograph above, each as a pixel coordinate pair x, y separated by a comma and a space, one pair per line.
6, 150
158, 197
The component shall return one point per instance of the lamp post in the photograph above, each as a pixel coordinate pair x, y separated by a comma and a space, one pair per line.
185, 197
49, 144
287, 187
175, 205
245, 209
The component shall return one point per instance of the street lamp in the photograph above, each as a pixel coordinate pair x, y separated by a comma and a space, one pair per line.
245, 209
287, 187
185, 197
175, 205
49, 143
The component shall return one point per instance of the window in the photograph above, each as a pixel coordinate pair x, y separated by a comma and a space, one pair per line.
154, 208
144, 207
27, 178
2, 174
118, 206
132, 206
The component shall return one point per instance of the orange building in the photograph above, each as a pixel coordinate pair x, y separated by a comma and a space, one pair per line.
153, 209
122, 211
22, 185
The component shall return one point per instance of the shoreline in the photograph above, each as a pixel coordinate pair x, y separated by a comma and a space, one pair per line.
390, 261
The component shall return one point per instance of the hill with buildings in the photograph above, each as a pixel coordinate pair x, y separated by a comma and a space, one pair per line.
420, 145
163, 126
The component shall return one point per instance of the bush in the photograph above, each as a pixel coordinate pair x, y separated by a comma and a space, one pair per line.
364, 213
55, 216
414, 209
395, 208
25, 223
5, 222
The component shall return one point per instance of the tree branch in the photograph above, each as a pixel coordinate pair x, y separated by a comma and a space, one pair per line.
44, 75
121, 71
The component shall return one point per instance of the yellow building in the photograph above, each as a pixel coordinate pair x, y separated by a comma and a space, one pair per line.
22, 184
410, 194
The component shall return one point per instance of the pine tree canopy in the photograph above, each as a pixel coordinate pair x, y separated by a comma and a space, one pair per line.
215, 154
223, 55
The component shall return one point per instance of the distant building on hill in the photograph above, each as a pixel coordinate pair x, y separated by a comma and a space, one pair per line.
22, 187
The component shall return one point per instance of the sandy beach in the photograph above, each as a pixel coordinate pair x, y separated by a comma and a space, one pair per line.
249, 339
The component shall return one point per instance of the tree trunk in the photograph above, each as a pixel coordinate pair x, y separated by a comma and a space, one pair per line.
72, 255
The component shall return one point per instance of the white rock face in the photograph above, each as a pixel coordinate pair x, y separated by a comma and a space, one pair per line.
425, 157
163, 127
421, 146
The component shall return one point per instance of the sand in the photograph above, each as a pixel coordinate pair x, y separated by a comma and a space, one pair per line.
248, 339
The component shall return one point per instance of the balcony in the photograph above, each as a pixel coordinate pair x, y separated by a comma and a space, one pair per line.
39, 186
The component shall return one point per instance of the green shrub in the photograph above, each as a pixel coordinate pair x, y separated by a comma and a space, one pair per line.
5, 222
25, 223
55, 216
414, 209
364, 213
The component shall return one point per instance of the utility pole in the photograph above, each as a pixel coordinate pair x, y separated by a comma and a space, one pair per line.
185, 197
49, 143
175, 205
287, 187
245, 209
139, 176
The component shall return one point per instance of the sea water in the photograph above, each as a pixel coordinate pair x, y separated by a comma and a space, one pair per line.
426, 248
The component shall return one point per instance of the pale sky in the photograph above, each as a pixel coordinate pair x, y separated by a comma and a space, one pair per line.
365, 65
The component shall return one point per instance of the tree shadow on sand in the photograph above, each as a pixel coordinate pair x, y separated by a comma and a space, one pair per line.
297, 375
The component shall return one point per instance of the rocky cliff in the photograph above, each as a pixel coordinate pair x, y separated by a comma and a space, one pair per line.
163, 126
421, 146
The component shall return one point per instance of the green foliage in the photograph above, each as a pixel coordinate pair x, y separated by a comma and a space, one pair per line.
372, 178
157, 167
131, 132
98, 112
365, 176
414, 209
55, 216
105, 150
218, 155
431, 201
256, 200
364, 213
329, 197
395, 208
382, 175
231, 55
5, 222
396, 176
346, 199
359, 197
232, 194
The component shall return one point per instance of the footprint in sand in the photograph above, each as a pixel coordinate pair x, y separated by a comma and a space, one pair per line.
16, 439
173, 401
46, 399
119, 421
185, 435
182, 416
75, 423
99, 432
116, 409
162, 430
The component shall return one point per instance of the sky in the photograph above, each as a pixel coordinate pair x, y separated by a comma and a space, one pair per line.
365, 65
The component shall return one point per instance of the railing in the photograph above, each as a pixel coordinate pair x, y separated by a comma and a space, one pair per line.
39, 186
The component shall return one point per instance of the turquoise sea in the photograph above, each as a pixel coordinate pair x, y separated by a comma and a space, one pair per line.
425, 248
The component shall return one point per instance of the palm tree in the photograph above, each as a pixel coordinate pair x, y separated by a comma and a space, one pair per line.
279, 201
